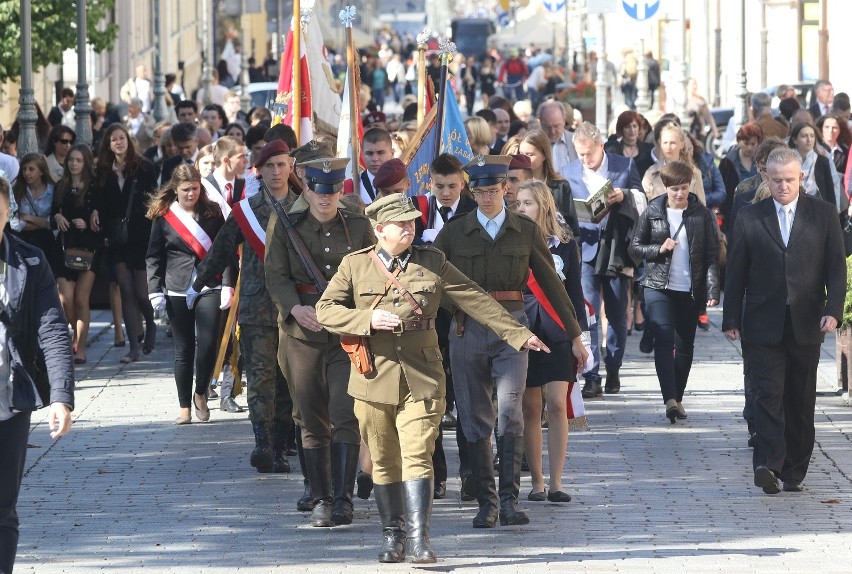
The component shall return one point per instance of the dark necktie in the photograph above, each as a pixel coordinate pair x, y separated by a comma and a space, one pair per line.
445, 212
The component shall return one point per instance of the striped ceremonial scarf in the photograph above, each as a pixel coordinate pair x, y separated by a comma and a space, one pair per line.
252, 230
189, 230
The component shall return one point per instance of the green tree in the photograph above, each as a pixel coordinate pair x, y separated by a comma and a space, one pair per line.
54, 24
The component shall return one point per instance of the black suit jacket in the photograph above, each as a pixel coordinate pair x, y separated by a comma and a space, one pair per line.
169, 166
239, 189
815, 111
762, 274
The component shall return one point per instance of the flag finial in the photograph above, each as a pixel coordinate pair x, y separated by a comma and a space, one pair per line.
423, 38
347, 15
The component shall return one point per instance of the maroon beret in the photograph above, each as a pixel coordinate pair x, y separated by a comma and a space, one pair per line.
520, 161
391, 173
374, 118
273, 148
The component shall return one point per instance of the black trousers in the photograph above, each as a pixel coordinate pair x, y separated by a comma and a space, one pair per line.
672, 317
782, 381
13, 454
439, 459
205, 320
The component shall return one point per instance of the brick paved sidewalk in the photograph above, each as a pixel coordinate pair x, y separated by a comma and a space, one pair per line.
128, 491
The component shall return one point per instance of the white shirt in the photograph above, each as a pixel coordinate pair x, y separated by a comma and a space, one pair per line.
5, 360
438, 224
791, 207
680, 278
143, 92
365, 197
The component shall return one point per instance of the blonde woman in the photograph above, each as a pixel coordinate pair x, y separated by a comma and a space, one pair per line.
204, 162
556, 371
672, 145
478, 135
399, 141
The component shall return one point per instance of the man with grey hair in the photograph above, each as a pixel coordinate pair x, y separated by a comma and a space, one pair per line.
552, 116
785, 288
603, 250
824, 98
761, 111
139, 124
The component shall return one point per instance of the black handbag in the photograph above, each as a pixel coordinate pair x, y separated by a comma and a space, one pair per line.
77, 258
117, 234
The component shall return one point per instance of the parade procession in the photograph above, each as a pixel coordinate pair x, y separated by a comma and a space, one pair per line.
406, 286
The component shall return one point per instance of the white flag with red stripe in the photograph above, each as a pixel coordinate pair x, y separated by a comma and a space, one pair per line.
285, 88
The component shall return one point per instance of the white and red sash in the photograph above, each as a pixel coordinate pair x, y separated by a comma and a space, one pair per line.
189, 230
252, 230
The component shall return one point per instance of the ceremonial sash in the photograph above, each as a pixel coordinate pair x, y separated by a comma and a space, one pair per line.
423, 207
543, 300
189, 230
252, 230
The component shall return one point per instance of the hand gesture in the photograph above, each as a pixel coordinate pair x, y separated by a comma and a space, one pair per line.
617, 196
306, 316
536, 344
61, 222
668, 245
384, 320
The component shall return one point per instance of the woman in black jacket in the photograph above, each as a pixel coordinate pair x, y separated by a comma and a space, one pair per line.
818, 179
124, 183
185, 223
676, 237
556, 371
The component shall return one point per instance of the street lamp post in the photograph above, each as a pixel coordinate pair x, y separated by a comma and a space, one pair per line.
159, 106
82, 109
245, 98
681, 78
27, 142
643, 95
742, 93
601, 85
205, 56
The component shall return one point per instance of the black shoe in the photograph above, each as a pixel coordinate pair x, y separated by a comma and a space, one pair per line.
468, 489
365, 485
448, 421
613, 382
390, 502
344, 467
592, 389
766, 479
537, 496
211, 393
638, 327
306, 503
261, 456
646, 343
671, 413
440, 490
418, 515
228, 404
792, 486
512, 449
318, 467
558, 496
481, 463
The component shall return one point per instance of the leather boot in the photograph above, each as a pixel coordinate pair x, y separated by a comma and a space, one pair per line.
280, 438
306, 502
510, 481
261, 456
318, 463
482, 465
418, 513
344, 466
391, 506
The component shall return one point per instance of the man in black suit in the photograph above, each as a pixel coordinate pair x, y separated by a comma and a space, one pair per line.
824, 98
185, 138
785, 287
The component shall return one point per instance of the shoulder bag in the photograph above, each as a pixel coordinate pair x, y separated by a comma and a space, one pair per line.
77, 258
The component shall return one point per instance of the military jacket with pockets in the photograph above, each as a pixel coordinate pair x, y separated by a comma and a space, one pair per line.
327, 243
409, 358
256, 307
504, 263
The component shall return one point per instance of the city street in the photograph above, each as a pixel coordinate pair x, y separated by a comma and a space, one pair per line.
128, 491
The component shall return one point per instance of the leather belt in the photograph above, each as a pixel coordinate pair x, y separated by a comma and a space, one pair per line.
507, 295
416, 325
306, 289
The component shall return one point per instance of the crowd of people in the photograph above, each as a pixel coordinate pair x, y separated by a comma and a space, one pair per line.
555, 237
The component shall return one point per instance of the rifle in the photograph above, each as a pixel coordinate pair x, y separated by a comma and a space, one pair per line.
314, 273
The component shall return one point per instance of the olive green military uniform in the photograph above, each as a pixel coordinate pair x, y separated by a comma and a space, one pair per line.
269, 399
318, 366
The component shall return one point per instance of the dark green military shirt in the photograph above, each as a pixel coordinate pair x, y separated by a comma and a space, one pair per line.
328, 243
256, 307
504, 263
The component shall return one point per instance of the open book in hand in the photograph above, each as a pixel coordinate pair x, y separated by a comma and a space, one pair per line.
594, 208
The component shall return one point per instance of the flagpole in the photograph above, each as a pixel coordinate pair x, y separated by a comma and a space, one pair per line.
422, 38
447, 50
297, 69
347, 16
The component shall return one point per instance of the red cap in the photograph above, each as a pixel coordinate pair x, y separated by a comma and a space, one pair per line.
273, 148
374, 118
391, 173
520, 161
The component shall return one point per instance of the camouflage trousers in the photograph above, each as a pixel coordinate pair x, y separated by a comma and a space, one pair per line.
269, 398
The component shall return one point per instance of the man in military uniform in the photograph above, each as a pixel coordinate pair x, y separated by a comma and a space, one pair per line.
269, 402
318, 367
497, 249
399, 404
